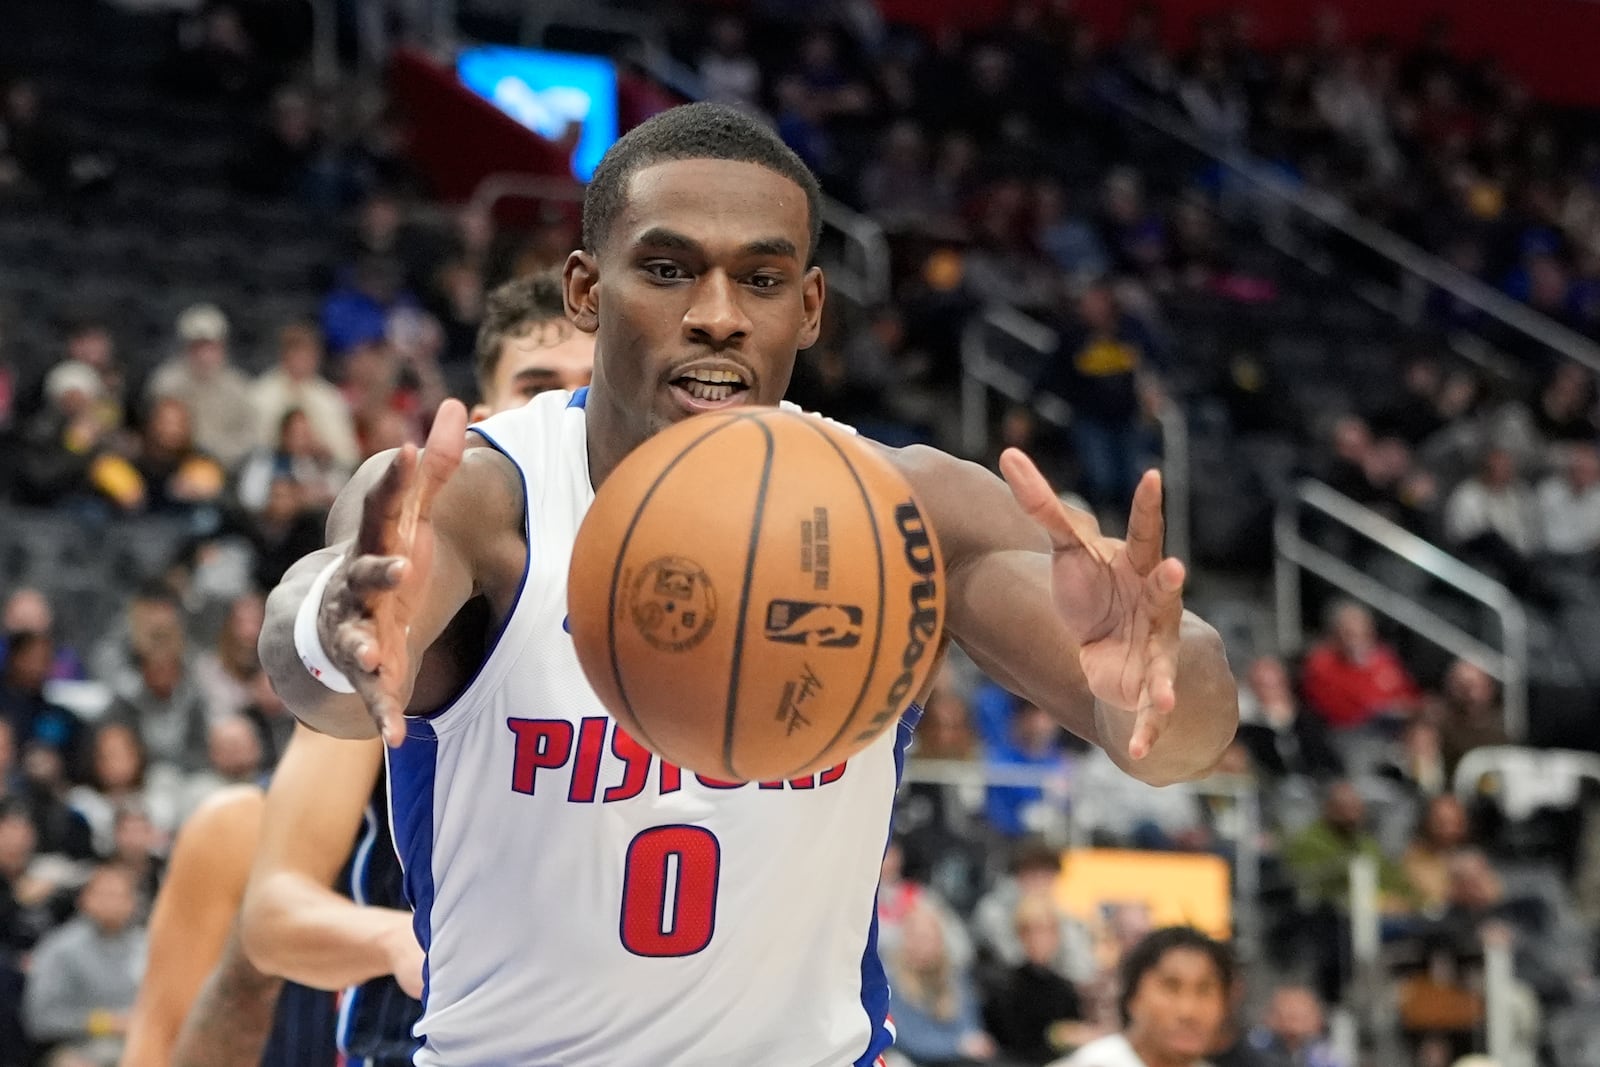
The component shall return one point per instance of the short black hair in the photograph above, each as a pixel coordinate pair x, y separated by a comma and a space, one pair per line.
692, 131
1147, 955
510, 310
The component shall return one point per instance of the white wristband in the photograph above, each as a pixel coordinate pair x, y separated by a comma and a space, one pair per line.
307, 640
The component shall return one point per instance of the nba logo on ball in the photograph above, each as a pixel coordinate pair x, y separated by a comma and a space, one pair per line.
754, 595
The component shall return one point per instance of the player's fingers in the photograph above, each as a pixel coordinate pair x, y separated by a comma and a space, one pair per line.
384, 504
1147, 527
447, 440
365, 575
1068, 528
355, 645
1163, 596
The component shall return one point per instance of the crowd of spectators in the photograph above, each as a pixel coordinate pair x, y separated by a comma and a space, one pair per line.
1001, 173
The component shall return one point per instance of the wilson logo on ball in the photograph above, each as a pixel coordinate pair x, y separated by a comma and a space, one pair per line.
801, 622
922, 630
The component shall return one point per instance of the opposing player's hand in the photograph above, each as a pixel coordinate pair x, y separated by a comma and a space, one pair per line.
1122, 600
405, 956
370, 602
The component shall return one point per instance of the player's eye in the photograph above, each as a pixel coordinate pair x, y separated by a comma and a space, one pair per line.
664, 271
764, 281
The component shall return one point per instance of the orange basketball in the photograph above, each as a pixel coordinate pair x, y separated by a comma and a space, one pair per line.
755, 595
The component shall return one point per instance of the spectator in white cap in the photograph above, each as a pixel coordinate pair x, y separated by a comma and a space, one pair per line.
216, 394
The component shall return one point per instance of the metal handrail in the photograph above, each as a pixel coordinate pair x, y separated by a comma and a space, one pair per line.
1247, 874
981, 373
497, 187
1339, 215
1294, 553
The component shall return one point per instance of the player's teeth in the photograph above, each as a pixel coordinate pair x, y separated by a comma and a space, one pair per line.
705, 391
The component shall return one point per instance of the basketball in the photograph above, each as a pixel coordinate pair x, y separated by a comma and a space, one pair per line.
754, 595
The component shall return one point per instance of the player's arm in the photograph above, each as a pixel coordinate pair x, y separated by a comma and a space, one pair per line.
410, 536
232, 1018
1041, 608
293, 924
193, 913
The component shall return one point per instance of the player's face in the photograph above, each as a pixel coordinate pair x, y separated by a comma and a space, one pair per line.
551, 355
700, 296
1178, 1007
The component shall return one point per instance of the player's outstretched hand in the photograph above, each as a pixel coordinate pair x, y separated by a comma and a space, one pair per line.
372, 599
1122, 600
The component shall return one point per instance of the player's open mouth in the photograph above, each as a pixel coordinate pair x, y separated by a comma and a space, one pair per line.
708, 389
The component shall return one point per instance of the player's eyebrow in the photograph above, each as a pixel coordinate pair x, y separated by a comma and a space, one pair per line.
531, 373
663, 238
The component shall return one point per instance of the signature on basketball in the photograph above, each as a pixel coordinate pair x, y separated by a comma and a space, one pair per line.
795, 695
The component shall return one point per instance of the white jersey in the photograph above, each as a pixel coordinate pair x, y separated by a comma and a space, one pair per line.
582, 903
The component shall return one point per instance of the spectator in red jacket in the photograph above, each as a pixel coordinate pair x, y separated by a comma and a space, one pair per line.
1351, 679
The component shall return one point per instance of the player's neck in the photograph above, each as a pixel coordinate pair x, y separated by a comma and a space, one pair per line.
607, 434
1151, 1056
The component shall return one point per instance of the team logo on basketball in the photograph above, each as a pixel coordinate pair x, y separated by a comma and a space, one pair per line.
800, 622
673, 604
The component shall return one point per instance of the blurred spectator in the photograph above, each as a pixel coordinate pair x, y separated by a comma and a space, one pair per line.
298, 456
62, 832
282, 532
32, 896
1071, 242
1233, 1048
1034, 743
1350, 679
931, 998
214, 56
225, 673
68, 457
728, 72
1103, 369
1569, 504
178, 476
34, 152
898, 896
1417, 763
152, 617
1319, 856
297, 384
117, 769
33, 718
1282, 741
281, 157
1492, 518
941, 824
86, 974
216, 394
1173, 1000
28, 611
233, 750
138, 847
358, 311
90, 343
1413, 416
1035, 1012
1565, 413
160, 699
1293, 1033
1035, 867
1215, 103
1442, 831
897, 187
1472, 714
273, 721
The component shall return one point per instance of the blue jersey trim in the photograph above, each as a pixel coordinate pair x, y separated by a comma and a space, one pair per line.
412, 770
580, 397
874, 982
358, 893
516, 598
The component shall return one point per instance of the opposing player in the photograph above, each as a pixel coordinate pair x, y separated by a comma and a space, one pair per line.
216, 983
581, 902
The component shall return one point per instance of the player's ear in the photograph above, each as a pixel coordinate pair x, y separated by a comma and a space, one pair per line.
479, 412
580, 284
813, 290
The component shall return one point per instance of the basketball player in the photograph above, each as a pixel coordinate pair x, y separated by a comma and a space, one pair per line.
325, 795
1174, 999
581, 903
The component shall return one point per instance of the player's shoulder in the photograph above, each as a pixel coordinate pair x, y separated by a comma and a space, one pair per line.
226, 812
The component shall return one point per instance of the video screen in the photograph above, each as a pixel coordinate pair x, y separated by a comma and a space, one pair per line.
547, 92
